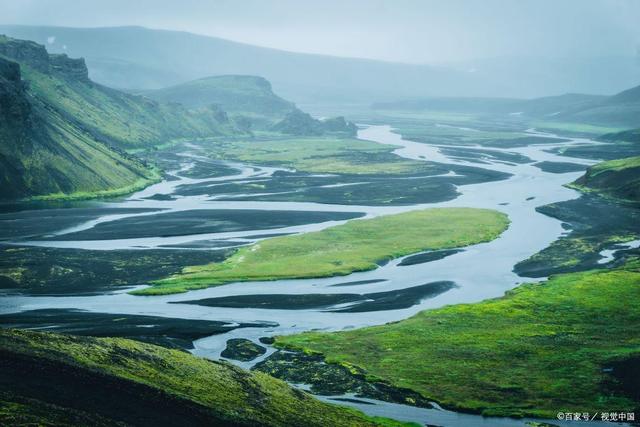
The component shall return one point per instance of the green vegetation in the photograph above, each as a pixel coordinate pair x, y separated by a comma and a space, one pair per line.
243, 97
43, 152
321, 155
574, 128
619, 179
62, 136
299, 123
540, 349
358, 245
145, 385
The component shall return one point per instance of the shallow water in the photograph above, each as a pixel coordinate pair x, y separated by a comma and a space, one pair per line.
487, 273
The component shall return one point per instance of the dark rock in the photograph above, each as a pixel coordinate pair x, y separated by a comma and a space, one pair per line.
332, 379
242, 349
74, 68
267, 340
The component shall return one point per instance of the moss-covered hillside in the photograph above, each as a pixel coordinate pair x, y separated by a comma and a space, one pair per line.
50, 379
615, 178
63, 135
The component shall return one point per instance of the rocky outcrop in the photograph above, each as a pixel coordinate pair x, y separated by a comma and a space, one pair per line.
26, 52
74, 68
35, 56
300, 123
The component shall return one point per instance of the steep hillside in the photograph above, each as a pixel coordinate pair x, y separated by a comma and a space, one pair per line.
141, 58
615, 178
42, 152
246, 96
49, 379
120, 119
63, 135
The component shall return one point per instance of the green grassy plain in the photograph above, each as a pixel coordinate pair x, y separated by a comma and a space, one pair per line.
321, 155
575, 128
145, 382
358, 245
538, 350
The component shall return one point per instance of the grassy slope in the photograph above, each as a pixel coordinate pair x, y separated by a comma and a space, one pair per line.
615, 178
101, 381
538, 350
250, 96
42, 152
58, 129
357, 245
121, 119
321, 155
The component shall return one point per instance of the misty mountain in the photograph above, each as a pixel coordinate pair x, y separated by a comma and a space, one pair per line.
140, 58
619, 110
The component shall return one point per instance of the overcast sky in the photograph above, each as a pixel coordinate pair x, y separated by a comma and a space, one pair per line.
422, 31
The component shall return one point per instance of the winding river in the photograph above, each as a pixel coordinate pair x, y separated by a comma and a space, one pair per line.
487, 271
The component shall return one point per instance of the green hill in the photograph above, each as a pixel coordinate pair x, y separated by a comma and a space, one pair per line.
62, 134
50, 379
247, 96
42, 152
615, 178
617, 111
115, 117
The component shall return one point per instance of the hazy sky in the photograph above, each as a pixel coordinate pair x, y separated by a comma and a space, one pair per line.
398, 30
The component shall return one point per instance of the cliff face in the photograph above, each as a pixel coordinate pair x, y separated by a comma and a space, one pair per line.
36, 57
74, 68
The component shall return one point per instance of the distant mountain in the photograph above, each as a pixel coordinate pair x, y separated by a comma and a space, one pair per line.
140, 58
250, 97
619, 110
62, 134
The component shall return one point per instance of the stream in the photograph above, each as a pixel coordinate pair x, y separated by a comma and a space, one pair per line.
487, 271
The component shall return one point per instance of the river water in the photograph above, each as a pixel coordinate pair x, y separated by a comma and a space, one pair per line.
487, 271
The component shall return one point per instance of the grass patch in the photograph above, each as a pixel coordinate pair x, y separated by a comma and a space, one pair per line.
358, 245
538, 350
321, 155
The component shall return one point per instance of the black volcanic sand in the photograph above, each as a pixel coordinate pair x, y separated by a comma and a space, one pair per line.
33, 223
370, 190
428, 256
202, 221
165, 331
485, 156
595, 223
242, 349
38, 270
559, 167
208, 169
520, 141
332, 379
378, 301
359, 282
